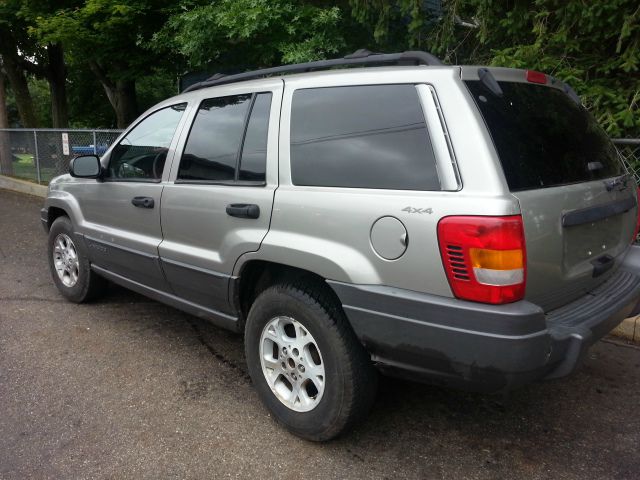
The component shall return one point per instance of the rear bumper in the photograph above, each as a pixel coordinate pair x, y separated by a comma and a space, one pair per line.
484, 347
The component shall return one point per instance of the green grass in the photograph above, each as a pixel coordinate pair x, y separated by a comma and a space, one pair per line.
24, 167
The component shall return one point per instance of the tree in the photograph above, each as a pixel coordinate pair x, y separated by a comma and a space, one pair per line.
242, 34
594, 46
110, 37
24, 56
397, 24
13, 41
6, 163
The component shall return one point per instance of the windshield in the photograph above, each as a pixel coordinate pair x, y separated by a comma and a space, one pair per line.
543, 138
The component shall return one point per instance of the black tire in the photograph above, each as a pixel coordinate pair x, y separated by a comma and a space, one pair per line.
89, 285
350, 379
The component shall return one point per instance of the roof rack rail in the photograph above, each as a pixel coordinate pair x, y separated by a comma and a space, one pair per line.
359, 57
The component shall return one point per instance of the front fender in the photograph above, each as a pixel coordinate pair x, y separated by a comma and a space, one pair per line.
67, 202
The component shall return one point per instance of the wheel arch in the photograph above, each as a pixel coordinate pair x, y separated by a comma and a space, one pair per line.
62, 204
53, 213
256, 275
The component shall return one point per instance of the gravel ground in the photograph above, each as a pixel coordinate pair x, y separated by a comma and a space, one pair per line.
129, 388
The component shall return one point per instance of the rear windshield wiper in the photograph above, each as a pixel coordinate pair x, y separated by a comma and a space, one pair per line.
489, 82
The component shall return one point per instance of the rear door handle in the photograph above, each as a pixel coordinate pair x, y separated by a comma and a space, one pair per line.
143, 202
243, 210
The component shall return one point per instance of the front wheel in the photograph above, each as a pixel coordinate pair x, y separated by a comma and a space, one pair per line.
69, 265
306, 363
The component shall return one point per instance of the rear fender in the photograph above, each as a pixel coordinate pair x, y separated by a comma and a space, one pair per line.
330, 260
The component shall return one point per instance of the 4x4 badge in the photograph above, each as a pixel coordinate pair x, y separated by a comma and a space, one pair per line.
418, 210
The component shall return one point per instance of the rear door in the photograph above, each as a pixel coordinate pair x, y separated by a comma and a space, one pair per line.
578, 207
218, 203
365, 174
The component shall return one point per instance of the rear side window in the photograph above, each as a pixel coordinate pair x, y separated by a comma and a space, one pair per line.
543, 138
254, 149
372, 136
228, 132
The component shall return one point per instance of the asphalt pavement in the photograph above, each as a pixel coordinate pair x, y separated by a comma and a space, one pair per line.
130, 388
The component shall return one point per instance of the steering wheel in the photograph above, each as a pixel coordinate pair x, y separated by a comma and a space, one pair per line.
122, 171
158, 164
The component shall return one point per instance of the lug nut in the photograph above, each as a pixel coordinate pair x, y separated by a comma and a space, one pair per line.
284, 351
301, 368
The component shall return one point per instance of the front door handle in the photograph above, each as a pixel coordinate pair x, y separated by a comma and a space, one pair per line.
243, 210
143, 202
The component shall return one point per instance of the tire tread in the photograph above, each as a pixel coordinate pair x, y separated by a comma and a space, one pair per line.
359, 375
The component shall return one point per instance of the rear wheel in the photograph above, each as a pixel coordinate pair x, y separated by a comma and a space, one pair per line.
306, 363
69, 265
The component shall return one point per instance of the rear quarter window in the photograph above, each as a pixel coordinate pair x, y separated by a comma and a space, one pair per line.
372, 136
543, 138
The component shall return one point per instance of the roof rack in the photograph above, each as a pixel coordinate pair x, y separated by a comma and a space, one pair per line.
360, 57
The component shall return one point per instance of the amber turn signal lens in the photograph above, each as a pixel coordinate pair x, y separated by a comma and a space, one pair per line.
496, 259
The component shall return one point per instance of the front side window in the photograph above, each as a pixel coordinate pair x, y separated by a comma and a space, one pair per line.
372, 136
228, 140
142, 153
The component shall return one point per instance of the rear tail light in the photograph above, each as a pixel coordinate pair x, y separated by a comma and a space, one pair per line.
536, 77
484, 257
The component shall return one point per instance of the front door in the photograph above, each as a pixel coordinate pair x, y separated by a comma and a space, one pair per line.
218, 204
121, 213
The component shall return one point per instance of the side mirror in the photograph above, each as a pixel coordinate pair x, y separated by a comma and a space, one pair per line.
85, 166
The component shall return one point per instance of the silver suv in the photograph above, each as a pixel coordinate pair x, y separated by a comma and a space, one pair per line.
463, 225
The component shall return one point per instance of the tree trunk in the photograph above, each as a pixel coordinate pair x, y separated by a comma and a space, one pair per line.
126, 102
6, 164
121, 95
18, 83
57, 76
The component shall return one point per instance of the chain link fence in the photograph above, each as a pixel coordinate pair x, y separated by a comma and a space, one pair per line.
629, 149
38, 155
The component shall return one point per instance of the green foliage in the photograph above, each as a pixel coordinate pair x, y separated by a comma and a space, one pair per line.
398, 22
39, 89
156, 86
109, 32
41, 101
253, 33
88, 103
593, 45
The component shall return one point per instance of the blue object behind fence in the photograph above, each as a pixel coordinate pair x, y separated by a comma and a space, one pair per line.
88, 149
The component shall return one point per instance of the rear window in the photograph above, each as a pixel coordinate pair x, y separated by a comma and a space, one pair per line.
370, 136
543, 138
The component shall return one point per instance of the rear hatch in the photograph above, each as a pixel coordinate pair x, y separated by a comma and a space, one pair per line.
579, 208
